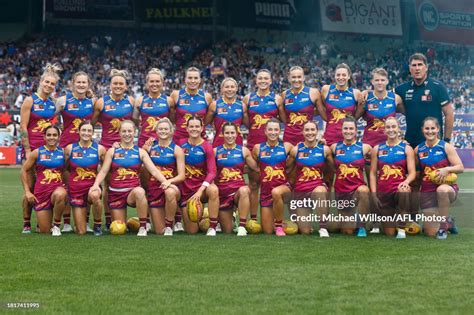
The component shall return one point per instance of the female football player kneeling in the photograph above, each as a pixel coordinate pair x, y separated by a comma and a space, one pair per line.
438, 164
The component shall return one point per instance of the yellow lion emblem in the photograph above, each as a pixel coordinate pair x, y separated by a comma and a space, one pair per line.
124, 172
427, 171
347, 170
151, 123
83, 174
115, 123
185, 119
167, 173
271, 172
192, 171
388, 171
41, 125
296, 119
75, 123
259, 121
378, 124
337, 115
51, 176
309, 174
230, 174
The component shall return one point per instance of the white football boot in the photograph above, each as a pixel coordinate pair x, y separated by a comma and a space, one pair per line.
142, 231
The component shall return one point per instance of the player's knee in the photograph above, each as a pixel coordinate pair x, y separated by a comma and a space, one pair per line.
244, 192
443, 189
139, 192
170, 195
212, 191
363, 189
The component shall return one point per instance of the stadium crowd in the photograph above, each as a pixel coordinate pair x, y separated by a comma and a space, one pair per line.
21, 62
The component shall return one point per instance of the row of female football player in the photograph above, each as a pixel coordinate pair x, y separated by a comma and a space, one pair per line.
191, 109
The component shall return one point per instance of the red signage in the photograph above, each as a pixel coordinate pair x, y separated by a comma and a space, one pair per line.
7, 155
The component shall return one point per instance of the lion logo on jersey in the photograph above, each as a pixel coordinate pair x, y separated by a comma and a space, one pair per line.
230, 174
309, 173
259, 121
388, 171
124, 172
378, 124
115, 124
186, 117
51, 176
337, 115
41, 125
83, 174
151, 123
192, 171
347, 171
296, 119
427, 173
75, 123
271, 172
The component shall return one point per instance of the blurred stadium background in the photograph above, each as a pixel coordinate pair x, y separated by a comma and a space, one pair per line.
233, 38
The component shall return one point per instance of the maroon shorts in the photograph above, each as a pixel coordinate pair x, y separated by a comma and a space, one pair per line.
44, 199
227, 197
430, 199
266, 199
118, 200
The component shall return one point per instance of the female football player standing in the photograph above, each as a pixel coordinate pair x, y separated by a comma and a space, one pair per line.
169, 159
49, 192
227, 109
271, 156
309, 158
185, 103
299, 103
37, 112
230, 160
200, 166
83, 158
391, 173
349, 159
151, 107
438, 157
124, 164
261, 105
339, 101
75, 107
378, 106
188, 102
110, 111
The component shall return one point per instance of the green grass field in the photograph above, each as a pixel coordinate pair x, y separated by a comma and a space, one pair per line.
226, 274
